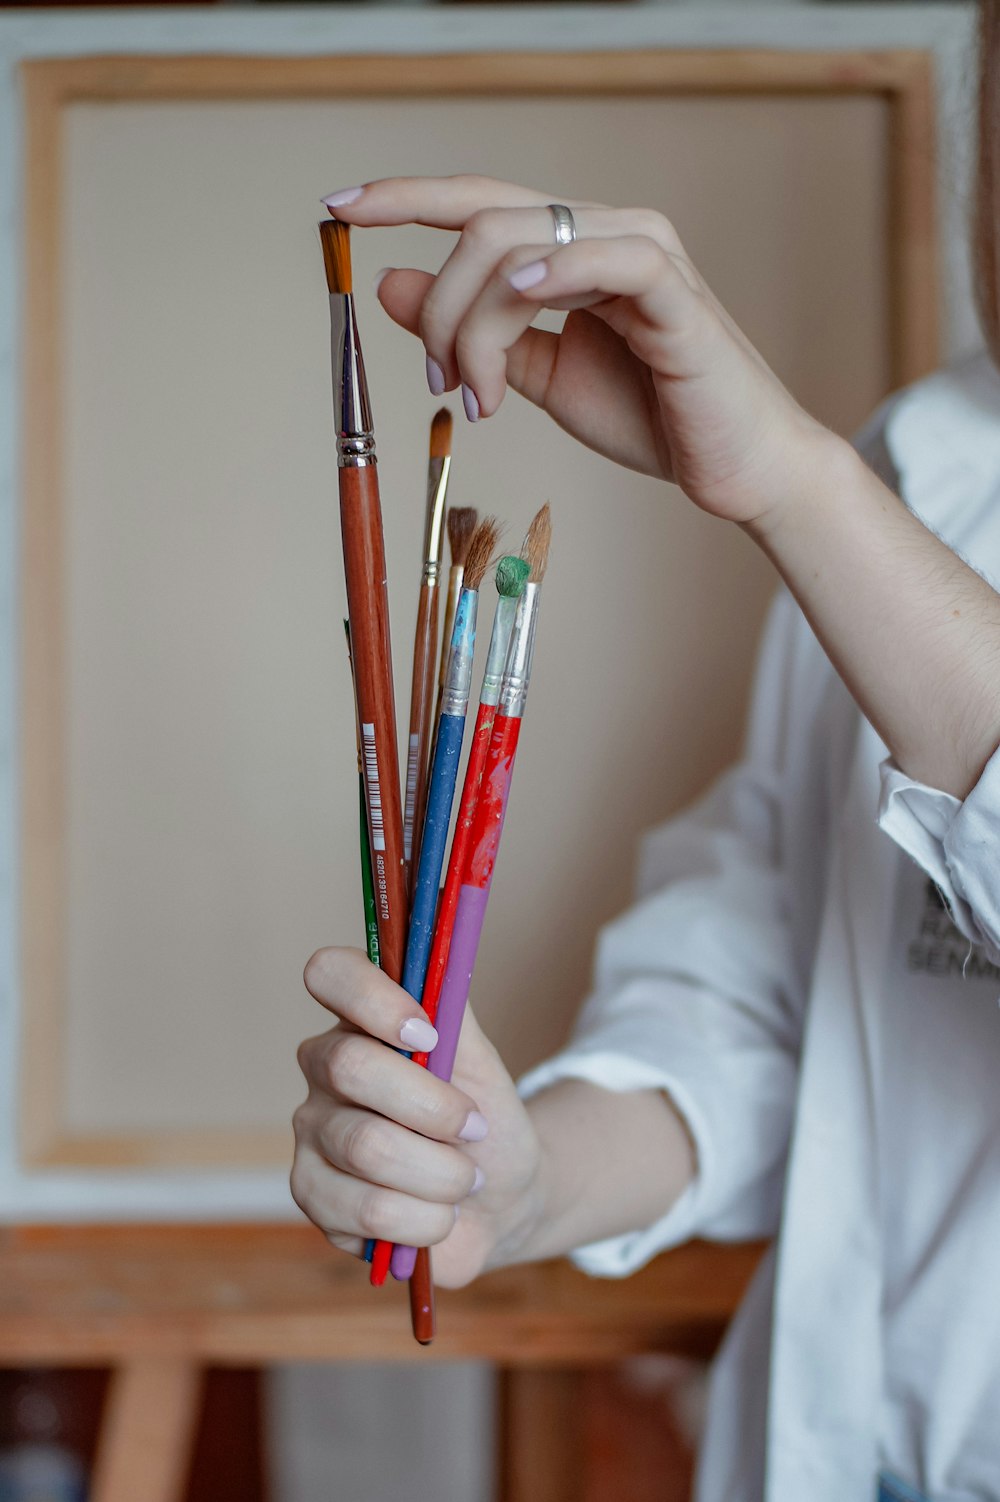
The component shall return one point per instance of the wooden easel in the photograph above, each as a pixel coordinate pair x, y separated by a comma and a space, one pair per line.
160, 1303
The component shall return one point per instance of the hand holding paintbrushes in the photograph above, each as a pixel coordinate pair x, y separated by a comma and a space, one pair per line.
389, 850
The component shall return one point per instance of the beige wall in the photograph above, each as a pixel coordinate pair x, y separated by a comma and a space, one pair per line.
213, 829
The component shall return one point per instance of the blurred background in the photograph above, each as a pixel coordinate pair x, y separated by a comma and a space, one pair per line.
192, 594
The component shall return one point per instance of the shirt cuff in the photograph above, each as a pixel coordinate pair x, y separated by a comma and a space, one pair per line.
955, 842
617, 1256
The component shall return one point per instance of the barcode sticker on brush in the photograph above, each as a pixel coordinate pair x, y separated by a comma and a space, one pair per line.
374, 791
410, 807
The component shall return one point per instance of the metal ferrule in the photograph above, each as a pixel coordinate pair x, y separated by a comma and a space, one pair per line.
496, 658
520, 653
458, 679
351, 408
438, 471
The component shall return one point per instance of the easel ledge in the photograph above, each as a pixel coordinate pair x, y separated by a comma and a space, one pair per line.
161, 1303
240, 1294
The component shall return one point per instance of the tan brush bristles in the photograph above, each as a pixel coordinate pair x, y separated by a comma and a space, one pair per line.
481, 550
441, 434
335, 239
536, 544
461, 525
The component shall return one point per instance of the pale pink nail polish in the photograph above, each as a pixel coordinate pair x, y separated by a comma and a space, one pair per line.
528, 276
478, 1181
342, 197
435, 377
476, 1127
380, 276
418, 1035
471, 403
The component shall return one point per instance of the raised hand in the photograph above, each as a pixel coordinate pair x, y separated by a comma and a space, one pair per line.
649, 369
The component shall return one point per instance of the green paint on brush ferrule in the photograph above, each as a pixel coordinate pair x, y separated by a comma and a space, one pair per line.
496, 658
520, 655
512, 575
458, 679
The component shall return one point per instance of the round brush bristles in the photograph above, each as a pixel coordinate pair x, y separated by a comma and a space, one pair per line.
335, 239
537, 543
512, 576
461, 525
441, 434
482, 549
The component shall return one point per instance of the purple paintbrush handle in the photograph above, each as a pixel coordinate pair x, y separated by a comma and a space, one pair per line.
402, 1262
470, 913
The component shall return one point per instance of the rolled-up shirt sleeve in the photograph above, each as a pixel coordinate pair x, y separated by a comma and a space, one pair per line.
956, 841
696, 989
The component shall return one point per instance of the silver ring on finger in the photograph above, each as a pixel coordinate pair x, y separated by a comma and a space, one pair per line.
565, 224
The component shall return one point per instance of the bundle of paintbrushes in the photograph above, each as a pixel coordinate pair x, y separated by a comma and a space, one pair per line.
430, 946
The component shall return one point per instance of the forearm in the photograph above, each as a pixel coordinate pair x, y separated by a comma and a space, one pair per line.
610, 1163
913, 631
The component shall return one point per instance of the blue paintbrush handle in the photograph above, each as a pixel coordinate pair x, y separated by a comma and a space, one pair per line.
440, 797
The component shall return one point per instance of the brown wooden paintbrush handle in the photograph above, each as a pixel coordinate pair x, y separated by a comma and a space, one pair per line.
422, 1298
368, 610
421, 704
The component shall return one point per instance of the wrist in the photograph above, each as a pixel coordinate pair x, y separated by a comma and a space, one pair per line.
519, 1227
826, 474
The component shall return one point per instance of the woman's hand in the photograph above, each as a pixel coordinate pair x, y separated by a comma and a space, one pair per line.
383, 1149
649, 369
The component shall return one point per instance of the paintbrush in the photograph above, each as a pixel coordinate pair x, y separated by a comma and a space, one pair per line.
491, 806
371, 652
460, 525
367, 599
425, 638
367, 873
441, 787
447, 752
448, 738
511, 577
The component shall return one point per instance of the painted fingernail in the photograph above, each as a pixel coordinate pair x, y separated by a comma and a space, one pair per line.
435, 377
342, 197
380, 276
418, 1035
528, 276
476, 1127
478, 1181
471, 403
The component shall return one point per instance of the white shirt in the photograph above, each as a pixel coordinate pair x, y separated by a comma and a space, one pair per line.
790, 978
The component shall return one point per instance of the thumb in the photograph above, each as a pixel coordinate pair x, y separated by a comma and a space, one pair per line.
402, 294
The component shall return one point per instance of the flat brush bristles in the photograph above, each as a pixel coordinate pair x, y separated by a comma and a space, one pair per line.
535, 551
461, 525
441, 434
336, 241
482, 547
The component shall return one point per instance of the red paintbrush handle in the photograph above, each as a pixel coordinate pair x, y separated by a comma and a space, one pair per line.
422, 1297
368, 609
491, 806
453, 879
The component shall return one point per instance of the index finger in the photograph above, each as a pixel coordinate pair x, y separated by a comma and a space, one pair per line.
353, 989
437, 202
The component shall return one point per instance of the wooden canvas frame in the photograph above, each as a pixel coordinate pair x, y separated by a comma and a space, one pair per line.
903, 79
